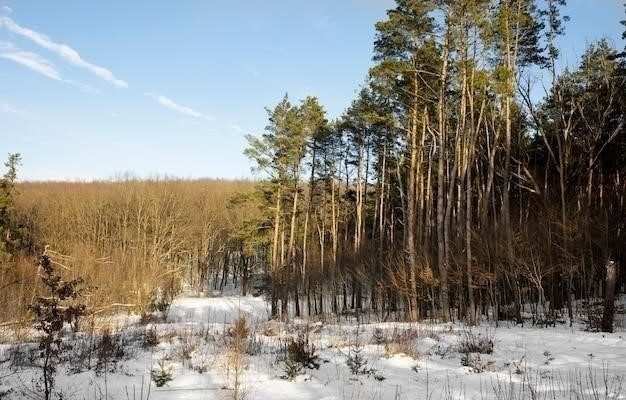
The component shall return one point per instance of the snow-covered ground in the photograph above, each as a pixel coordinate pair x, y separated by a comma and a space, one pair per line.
395, 360
224, 309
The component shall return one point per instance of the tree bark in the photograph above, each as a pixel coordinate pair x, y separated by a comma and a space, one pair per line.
609, 297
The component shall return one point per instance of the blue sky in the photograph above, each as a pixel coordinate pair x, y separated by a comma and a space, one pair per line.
89, 90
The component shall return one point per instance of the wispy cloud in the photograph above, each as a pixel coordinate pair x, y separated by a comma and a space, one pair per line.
62, 50
34, 62
38, 64
7, 10
9, 109
172, 105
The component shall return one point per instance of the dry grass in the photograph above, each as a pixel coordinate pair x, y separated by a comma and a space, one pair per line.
401, 341
235, 358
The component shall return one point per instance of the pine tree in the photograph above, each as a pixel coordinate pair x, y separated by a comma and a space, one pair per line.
408, 59
279, 155
442, 185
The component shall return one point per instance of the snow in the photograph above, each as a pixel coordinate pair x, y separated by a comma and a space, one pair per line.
217, 309
428, 365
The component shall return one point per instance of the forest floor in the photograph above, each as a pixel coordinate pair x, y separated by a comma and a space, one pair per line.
197, 344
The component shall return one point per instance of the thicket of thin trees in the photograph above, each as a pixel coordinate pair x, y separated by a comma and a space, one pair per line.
132, 243
471, 175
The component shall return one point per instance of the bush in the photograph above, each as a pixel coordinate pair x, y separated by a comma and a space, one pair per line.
162, 374
80, 354
150, 338
471, 342
240, 329
22, 355
111, 348
236, 356
474, 362
100, 352
591, 315
303, 352
161, 300
379, 337
408, 349
300, 354
402, 341
471, 346
355, 360
187, 346
51, 314
254, 346
291, 369
403, 335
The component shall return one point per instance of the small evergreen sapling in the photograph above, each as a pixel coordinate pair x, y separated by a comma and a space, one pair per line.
300, 355
355, 359
291, 369
162, 374
51, 313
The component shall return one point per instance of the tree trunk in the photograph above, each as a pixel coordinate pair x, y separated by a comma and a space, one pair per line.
441, 239
609, 297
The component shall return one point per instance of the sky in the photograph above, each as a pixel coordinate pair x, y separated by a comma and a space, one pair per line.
95, 90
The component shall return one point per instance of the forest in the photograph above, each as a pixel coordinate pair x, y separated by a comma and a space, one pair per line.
471, 175
457, 231
474, 175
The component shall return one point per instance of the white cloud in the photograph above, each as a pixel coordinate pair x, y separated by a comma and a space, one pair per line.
7, 10
33, 62
62, 50
9, 109
172, 105
38, 64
